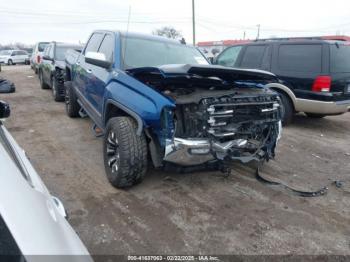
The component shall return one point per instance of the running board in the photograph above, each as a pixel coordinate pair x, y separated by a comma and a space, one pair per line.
98, 132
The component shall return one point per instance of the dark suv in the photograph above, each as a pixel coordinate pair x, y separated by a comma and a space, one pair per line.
314, 74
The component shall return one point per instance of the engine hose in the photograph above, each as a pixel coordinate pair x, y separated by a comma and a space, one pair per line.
317, 193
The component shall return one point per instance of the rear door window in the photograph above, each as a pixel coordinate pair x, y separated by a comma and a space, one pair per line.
253, 56
340, 58
229, 56
300, 58
94, 43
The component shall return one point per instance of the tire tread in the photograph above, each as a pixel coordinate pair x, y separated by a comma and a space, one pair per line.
133, 153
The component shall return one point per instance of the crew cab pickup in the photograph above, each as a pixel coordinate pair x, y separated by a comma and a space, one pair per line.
156, 97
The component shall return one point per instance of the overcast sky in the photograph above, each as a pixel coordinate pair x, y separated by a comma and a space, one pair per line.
73, 20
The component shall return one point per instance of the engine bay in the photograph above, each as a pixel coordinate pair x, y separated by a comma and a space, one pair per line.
229, 119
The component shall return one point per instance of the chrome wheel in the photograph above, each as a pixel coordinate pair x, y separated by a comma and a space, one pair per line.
112, 152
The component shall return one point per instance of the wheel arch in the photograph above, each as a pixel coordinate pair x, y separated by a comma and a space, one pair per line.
68, 76
113, 108
282, 88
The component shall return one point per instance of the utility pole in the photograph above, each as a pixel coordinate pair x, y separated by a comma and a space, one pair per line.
257, 37
244, 35
193, 24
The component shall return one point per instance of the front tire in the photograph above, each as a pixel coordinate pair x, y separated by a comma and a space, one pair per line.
10, 62
57, 90
124, 153
71, 100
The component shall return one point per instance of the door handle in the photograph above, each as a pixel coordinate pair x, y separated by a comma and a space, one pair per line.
89, 71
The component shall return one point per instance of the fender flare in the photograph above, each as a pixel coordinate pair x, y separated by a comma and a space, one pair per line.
126, 110
277, 86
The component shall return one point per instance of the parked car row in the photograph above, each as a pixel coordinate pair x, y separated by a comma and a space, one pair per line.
314, 74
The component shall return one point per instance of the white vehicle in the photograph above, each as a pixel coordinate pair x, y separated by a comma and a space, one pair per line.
32, 222
12, 57
37, 55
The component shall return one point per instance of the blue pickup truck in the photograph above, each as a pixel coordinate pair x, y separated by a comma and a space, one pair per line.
160, 100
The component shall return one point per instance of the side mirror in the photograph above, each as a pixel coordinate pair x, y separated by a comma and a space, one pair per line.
97, 59
46, 57
215, 60
4, 110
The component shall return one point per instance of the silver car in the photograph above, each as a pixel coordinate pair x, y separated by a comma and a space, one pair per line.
32, 222
12, 57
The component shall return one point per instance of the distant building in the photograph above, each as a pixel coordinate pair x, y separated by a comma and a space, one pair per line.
336, 37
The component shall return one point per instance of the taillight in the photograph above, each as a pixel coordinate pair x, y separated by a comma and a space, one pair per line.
322, 84
38, 59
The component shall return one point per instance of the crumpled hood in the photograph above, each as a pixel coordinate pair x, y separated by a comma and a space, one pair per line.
213, 69
207, 75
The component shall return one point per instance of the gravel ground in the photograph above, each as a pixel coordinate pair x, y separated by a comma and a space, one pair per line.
201, 212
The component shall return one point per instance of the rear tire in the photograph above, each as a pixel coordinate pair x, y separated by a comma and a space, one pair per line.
124, 153
43, 85
287, 110
312, 115
71, 100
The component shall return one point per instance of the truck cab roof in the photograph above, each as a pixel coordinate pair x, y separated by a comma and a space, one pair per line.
139, 35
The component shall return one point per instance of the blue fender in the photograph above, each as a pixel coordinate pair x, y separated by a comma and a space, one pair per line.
137, 99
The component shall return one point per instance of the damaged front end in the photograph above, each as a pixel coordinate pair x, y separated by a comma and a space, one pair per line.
220, 114
230, 127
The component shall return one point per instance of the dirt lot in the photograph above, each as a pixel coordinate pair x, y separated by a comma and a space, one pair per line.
189, 213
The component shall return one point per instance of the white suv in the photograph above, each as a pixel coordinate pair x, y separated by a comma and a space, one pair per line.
12, 57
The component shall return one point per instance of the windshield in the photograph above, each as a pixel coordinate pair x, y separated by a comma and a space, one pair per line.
5, 52
42, 46
137, 52
340, 58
